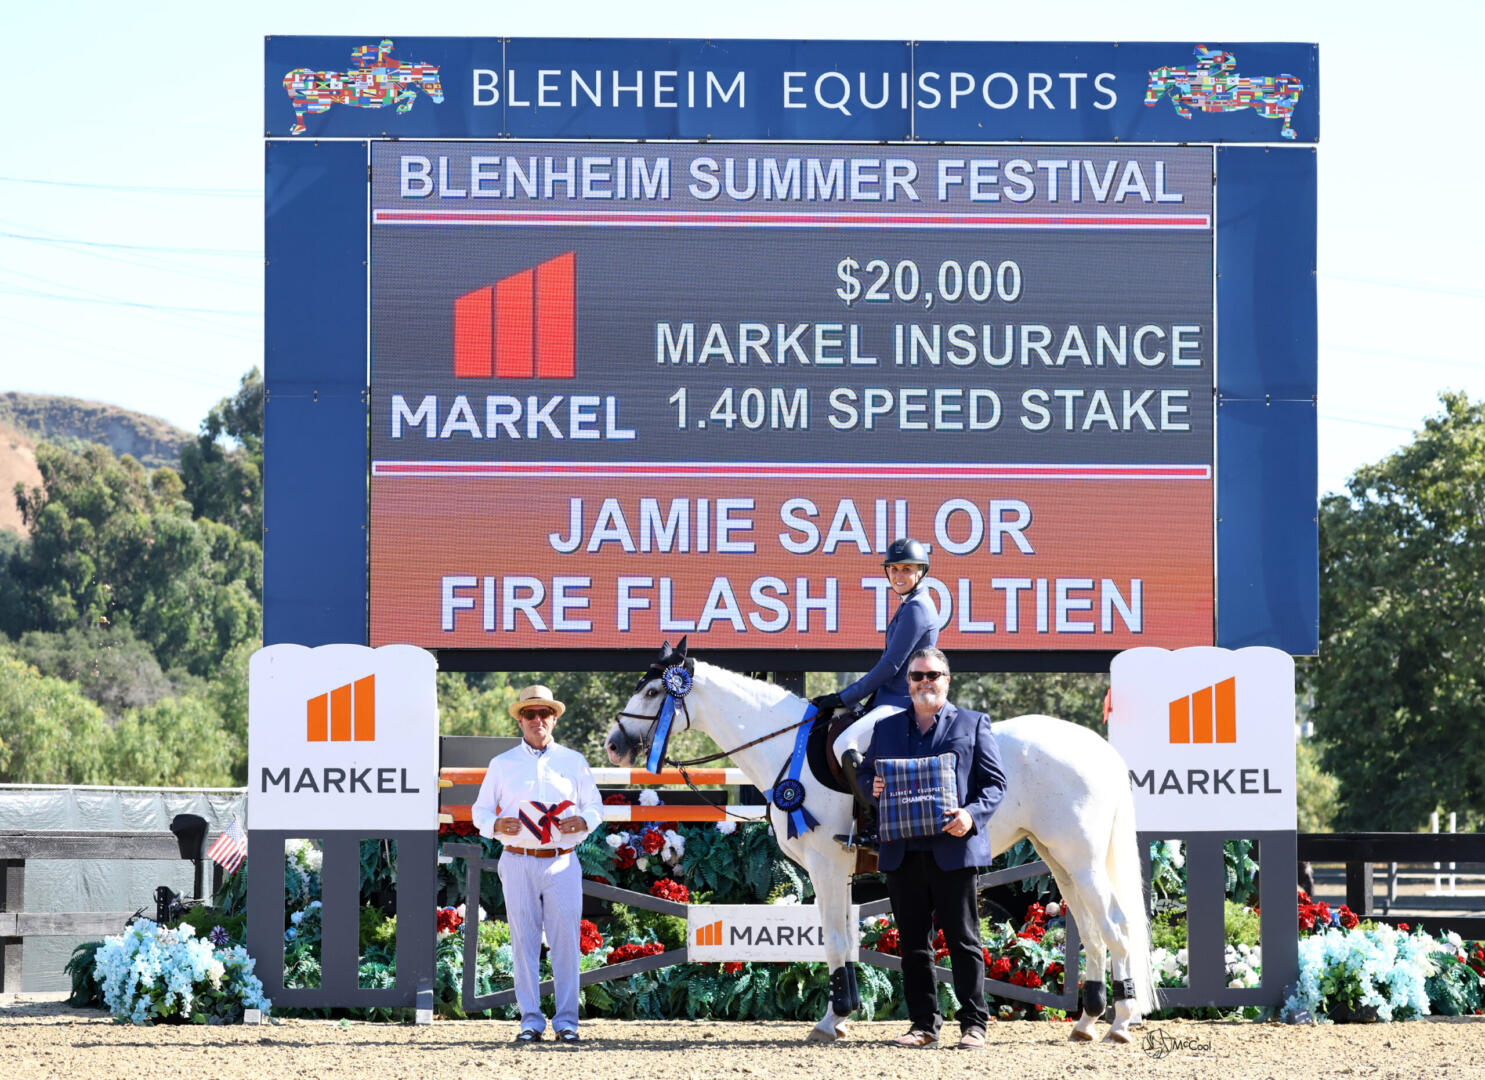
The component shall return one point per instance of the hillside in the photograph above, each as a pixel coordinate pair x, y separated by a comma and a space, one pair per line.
17, 466
152, 441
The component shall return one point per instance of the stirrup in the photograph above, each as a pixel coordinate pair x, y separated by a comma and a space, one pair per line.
853, 840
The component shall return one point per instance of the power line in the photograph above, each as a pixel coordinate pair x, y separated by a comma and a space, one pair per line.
55, 239
115, 302
233, 193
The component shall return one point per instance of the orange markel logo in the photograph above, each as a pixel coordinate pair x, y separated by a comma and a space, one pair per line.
345, 714
1207, 716
710, 934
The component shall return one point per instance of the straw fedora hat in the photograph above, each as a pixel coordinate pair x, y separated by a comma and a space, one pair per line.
536, 695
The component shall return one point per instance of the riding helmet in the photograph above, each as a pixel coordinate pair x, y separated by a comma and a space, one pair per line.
906, 550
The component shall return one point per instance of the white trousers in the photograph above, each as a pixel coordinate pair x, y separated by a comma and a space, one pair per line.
544, 893
858, 735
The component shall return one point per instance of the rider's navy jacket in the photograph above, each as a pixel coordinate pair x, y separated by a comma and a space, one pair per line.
914, 626
977, 770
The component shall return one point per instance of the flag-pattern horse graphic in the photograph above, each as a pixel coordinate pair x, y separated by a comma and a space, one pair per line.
1213, 86
376, 80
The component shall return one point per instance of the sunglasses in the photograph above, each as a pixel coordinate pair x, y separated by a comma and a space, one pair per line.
931, 676
537, 714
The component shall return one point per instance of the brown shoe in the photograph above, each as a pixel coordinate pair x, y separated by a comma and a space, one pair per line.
917, 1039
973, 1039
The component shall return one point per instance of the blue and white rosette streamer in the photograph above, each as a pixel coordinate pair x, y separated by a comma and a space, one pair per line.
677, 682
788, 793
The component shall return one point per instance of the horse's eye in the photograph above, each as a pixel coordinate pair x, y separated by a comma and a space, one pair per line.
651, 692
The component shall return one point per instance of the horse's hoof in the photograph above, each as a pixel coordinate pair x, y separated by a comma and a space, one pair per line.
1080, 1036
842, 1033
820, 1036
1118, 1037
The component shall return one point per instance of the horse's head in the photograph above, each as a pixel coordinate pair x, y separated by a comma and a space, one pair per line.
634, 728
1159, 82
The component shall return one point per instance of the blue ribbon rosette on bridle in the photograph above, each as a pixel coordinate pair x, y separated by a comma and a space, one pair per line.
677, 681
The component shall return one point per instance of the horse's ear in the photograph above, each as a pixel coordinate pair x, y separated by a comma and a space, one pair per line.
680, 650
665, 650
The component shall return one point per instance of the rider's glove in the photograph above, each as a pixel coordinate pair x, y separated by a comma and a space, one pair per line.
826, 702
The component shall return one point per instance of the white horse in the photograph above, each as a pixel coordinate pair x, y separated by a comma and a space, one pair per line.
1067, 790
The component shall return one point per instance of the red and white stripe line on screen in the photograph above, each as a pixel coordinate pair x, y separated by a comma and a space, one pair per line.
790, 470
758, 219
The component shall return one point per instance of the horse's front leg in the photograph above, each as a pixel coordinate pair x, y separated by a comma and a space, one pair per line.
832, 881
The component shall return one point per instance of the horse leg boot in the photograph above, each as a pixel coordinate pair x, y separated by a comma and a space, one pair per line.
866, 813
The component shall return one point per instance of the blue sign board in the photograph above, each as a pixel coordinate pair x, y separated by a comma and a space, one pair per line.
594, 268
872, 91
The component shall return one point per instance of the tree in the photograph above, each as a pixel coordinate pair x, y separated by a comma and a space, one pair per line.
49, 732
1399, 686
178, 742
112, 667
112, 545
223, 468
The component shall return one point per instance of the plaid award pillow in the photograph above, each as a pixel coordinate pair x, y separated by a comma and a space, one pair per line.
918, 792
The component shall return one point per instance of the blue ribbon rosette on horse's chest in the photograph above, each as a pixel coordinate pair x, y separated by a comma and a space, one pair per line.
787, 792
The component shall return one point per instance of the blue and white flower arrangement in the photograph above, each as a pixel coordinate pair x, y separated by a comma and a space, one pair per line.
1379, 969
152, 972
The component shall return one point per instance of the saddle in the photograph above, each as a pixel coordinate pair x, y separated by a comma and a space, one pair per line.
819, 751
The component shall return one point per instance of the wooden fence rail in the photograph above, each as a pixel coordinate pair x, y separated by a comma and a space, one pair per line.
1361, 852
17, 924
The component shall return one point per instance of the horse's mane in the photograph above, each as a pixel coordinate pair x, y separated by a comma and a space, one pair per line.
764, 694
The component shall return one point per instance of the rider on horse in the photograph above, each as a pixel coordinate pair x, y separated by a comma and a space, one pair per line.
914, 626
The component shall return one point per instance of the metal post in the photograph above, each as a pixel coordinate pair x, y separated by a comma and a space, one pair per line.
12, 899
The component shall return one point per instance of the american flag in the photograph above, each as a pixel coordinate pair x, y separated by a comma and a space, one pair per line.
230, 847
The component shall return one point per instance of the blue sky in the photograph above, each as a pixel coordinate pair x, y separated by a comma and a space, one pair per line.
131, 236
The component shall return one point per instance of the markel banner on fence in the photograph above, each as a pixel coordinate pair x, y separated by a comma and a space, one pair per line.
778, 932
342, 737
1208, 735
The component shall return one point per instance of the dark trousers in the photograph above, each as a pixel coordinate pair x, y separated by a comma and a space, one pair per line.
921, 893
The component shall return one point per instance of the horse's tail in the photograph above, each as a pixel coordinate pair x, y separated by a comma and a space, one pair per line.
1129, 888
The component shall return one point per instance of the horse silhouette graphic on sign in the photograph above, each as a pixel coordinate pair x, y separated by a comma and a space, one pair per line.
376, 80
1213, 86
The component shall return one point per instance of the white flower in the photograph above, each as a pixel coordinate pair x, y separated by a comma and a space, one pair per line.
642, 863
787, 898
648, 798
616, 840
1054, 909
1244, 949
1181, 957
727, 827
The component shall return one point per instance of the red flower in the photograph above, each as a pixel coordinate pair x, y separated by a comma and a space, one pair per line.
1036, 914
938, 940
889, 942
1000, 968
666, 889
939, 954
1347, 916
623, 857
618, 798
1304, 897
651, 841
448, 920
670, 826
1034, 932
588, 937
1404, 927
634, 952
732, 967
1029, 979
1054, 969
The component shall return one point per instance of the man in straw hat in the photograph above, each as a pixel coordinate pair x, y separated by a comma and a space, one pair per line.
539, 800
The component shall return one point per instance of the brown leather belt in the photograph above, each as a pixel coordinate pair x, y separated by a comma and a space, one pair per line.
539, 853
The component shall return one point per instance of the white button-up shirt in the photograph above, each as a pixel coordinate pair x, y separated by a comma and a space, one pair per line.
523, 775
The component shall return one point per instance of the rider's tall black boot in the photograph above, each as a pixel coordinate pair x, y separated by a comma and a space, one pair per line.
866, 817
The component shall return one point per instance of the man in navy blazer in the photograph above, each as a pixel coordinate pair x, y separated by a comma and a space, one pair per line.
932, 879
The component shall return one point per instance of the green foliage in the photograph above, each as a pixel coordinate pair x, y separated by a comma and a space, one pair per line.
1399, 687
1241, 871
112, 667
203, 919
1317, 792
223, 470
467, 708
1455, 989
49, 732
87, 991
741, 868
109, 547
177, 742
1241, 924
